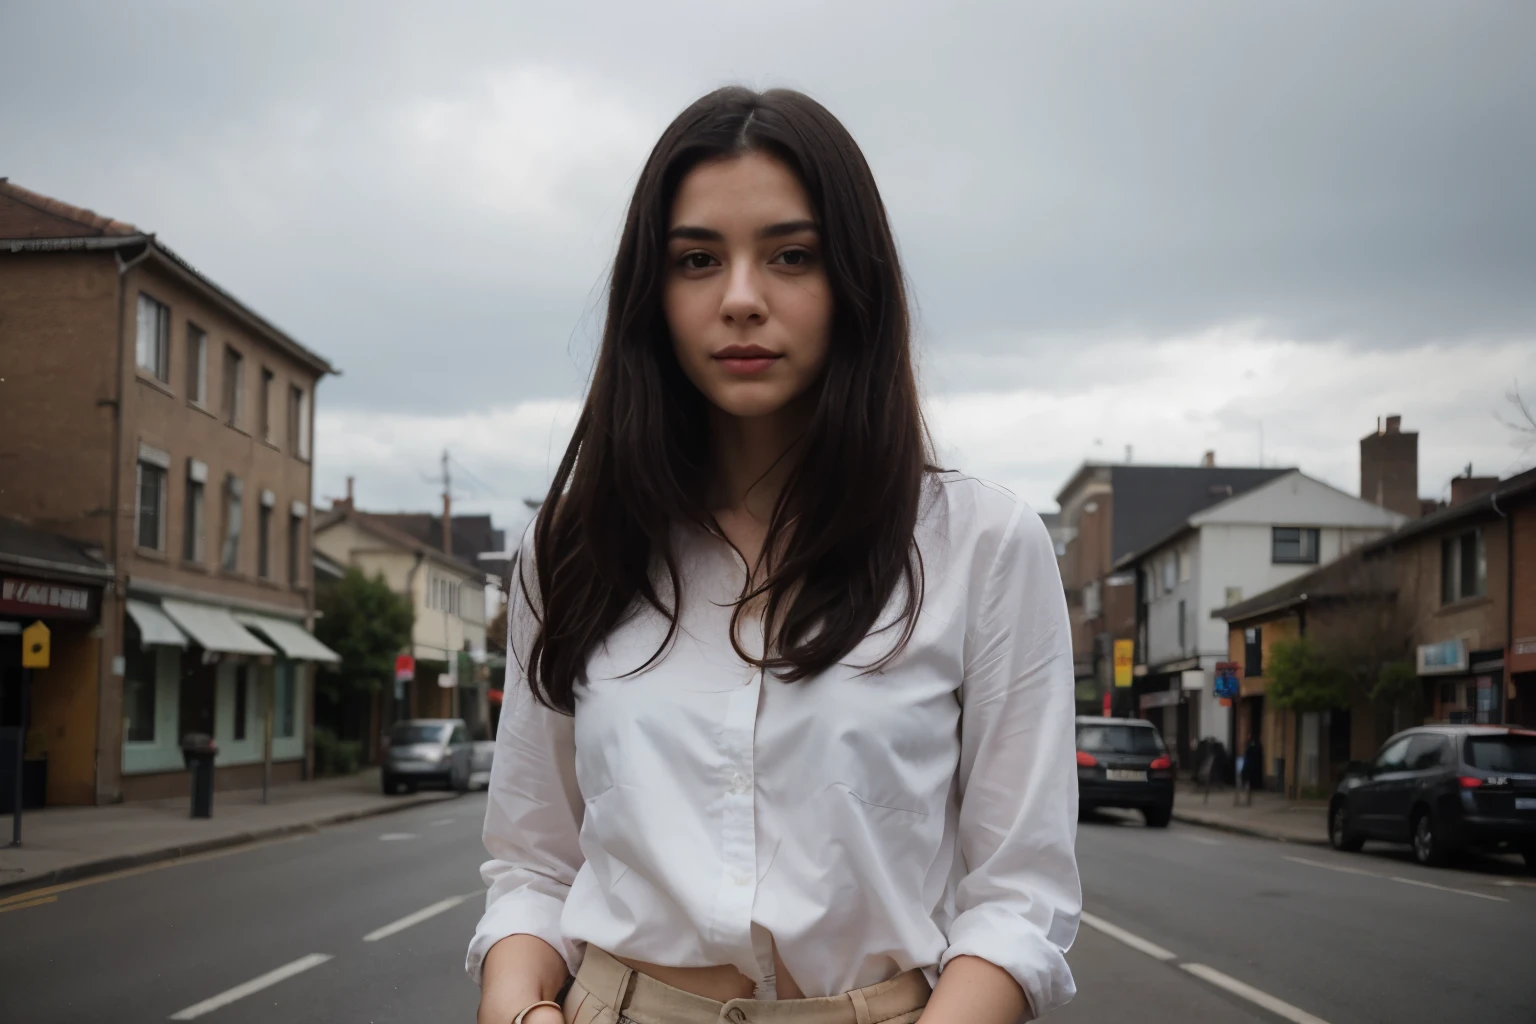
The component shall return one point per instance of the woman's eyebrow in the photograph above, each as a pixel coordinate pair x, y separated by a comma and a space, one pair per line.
693, 233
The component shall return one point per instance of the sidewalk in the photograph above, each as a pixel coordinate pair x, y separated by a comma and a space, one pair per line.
1270, 817
64, 843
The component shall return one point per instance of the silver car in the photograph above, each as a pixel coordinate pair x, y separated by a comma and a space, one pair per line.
428, 751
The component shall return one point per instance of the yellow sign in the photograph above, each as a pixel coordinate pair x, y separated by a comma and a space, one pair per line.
1125, 653
34, 646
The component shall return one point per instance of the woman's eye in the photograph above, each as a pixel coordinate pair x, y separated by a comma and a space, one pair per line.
794, 257
697, 261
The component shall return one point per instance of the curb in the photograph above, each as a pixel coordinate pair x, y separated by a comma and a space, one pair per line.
1245, 830
108, 865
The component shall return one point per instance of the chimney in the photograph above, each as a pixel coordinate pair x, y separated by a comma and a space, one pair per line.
1470, 488
344, 503
1209, 461
1389, 467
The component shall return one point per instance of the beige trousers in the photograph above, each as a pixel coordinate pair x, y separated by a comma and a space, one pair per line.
607, 992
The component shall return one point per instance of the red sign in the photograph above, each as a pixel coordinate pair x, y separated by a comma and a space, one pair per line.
405, 668
1106, 706
45, 600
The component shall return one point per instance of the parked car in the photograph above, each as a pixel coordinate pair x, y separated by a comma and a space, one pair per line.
1121, 762
428, 751
480, 764
1442, 788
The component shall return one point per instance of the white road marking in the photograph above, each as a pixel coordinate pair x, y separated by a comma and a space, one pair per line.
1446, 888
421, 915
395, 837
440, 822
1510, 883
267, 980
1136, 942
1278, 1007
1332, 867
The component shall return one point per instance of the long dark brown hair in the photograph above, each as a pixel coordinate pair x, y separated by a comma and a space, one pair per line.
638, 462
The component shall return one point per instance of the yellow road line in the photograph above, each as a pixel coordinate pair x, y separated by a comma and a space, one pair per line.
30, 903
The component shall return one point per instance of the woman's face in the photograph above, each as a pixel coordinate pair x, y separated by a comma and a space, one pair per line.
747, 297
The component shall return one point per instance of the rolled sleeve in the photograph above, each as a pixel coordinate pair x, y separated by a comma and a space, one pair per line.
532, 817
1019, 901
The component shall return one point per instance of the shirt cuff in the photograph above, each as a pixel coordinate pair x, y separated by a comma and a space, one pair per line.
523, 912
1038, 962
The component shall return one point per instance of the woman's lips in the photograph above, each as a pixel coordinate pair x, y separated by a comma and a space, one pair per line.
746, 366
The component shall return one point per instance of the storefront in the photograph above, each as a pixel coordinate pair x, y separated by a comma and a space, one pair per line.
244, 678
51, 712
1464, 687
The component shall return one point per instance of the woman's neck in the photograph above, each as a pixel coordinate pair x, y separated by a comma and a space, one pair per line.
752, 461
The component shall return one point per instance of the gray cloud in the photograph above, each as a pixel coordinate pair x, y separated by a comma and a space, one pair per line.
430, 195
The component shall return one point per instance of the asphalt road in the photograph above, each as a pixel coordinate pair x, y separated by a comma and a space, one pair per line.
368, 921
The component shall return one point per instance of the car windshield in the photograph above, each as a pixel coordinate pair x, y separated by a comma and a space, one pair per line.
1119, 739
417, 732
1514, 754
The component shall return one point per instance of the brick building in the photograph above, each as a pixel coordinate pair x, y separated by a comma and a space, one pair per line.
148, 413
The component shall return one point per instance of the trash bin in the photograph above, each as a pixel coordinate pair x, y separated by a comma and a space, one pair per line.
199, 750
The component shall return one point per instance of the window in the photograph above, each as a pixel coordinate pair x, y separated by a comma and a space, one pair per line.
1294, 545
234, 387
1427, 751
154, 338
283, 724
233, 492
264, 541
1394, 756
295, 548
1186, 561
197, 365
266, 405
140, 678
242, 698
1119, 739
1181, 626
1169, 569
1514, 753
192, 546
1253, 651
151, 518
1463, 567
298, 422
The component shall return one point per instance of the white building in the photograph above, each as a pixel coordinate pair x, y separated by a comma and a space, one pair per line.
1239, 547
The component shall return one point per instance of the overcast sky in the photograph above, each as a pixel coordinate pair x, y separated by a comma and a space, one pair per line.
1175, 226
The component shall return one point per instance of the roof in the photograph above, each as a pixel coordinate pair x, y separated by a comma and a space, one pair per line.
1348, 576
472, 534
26, 549
1152, 502
32, 222
380, 527
1519, 486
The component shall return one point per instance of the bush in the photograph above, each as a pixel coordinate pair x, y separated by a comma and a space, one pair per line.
334, 756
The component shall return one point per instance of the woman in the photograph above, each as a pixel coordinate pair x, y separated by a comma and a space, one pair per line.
792, 727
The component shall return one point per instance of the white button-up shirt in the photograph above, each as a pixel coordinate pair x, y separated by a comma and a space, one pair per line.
698, 814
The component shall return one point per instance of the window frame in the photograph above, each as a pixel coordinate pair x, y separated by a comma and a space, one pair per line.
197, 365
263, 541
234, 387
194, 546
298, 422
159, 364
295, 549
162, 497
1453, 566
1302, 535
232, 536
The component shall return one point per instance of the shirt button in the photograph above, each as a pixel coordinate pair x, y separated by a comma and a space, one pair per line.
738, 783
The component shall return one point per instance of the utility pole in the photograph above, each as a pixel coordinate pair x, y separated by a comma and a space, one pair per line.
449, 654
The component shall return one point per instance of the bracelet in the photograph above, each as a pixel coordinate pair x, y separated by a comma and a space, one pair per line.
529, 1009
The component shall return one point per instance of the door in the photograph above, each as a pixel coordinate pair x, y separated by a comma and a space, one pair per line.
1423, 763
1369, 801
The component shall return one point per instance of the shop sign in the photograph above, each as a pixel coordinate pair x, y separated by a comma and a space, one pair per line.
1159, 699
1125, 652
1445, 658
45, 600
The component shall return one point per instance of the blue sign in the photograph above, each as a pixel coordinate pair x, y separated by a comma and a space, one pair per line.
1227, 685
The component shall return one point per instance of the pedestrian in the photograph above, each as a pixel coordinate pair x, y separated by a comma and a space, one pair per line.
789, 710
1253, 766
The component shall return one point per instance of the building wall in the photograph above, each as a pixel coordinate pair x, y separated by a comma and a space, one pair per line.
58, 332
1523, 522
64, 697
1480, 621
164, 416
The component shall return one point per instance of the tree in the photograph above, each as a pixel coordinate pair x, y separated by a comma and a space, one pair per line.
1301, 678
368, 624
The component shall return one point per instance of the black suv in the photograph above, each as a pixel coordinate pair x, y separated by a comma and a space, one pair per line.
1442, 788
1121, 762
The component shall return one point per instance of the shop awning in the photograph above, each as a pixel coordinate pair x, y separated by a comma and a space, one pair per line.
291, 638
154, 626
214, 629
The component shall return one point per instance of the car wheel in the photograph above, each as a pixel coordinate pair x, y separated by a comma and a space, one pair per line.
1340, 835
411, 787
388, 784
1158, 817
1428, 847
